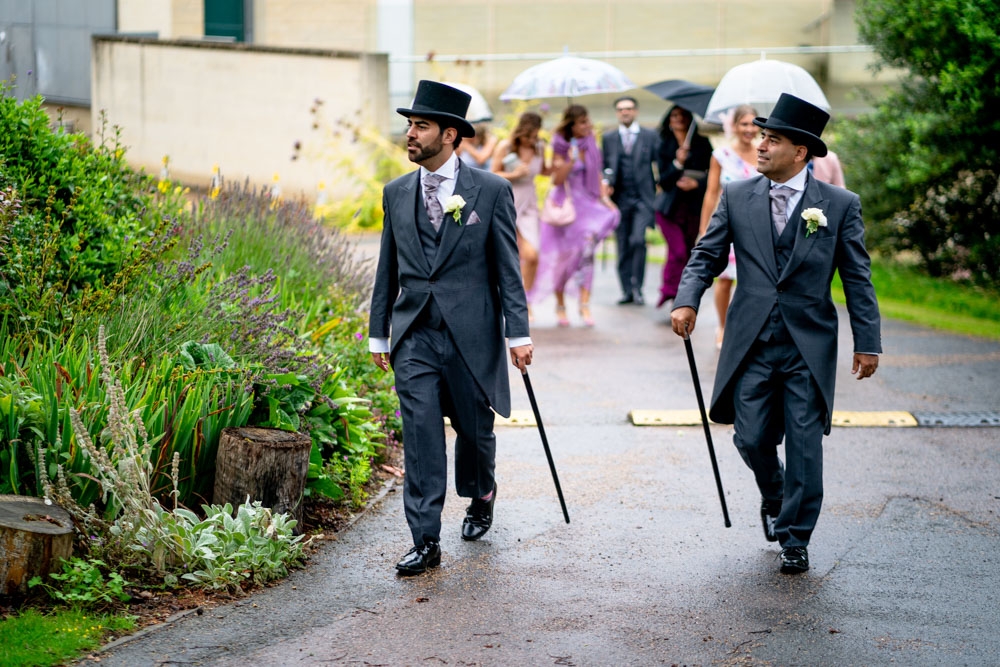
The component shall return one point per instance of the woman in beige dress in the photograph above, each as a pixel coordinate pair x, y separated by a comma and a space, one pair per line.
519, 159
734, 162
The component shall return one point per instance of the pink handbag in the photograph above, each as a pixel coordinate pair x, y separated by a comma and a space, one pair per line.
558, 215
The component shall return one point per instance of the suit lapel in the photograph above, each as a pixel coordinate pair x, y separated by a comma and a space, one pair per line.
404, 209
811, 198
759, 205
451, 231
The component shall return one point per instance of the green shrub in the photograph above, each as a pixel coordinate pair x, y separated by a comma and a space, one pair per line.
926, 136
100, 206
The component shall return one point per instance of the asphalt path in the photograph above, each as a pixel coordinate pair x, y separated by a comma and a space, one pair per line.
904, 559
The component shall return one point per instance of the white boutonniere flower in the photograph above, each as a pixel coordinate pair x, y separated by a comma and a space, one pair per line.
454, 205
814, 220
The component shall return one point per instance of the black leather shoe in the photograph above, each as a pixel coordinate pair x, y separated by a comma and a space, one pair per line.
637, 298
769, 516
625, 300
478, 517
418, 559
794, 560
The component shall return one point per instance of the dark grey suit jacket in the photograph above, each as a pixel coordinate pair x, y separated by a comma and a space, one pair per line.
475, 277
644, 154
802, 291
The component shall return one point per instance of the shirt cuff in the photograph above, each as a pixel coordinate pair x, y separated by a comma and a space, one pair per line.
378, 345
518, 342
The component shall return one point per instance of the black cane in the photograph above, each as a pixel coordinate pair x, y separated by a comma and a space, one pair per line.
704, 421
545, 441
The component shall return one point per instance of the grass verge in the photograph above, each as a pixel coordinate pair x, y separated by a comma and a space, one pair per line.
40, 640
906, 294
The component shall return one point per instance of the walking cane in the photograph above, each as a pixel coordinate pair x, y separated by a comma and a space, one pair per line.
545, 441
704, 421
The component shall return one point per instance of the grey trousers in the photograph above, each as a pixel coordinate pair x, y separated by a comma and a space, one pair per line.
432, 381
776, 396
630, 237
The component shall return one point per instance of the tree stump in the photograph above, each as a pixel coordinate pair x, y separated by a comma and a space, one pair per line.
267, 464
33, 537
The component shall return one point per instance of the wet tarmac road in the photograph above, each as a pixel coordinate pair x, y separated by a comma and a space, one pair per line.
904, 559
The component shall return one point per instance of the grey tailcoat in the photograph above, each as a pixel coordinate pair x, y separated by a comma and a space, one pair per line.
801, 292
475, 278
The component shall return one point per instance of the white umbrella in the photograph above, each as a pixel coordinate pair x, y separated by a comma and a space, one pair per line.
479, 111
760, 83
567, 76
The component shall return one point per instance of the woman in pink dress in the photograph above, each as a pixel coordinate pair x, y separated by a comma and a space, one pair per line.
519, 159
729, 163
566, 253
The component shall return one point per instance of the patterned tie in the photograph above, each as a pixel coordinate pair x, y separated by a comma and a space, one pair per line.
779, 206
629, 140
434, 209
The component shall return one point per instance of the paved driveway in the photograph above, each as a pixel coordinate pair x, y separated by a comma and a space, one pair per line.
904, 559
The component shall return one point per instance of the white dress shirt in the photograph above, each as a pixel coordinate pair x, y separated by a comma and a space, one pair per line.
798, 185
446, 189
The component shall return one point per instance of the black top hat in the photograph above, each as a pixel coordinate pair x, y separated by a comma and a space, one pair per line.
801, 121
442, 103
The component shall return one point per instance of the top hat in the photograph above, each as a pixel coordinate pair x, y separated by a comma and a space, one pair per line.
441, 103
799, 120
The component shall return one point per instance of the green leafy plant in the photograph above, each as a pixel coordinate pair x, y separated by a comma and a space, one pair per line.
82, 584
222, 550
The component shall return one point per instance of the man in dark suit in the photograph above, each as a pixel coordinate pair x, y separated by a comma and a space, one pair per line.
448, 291
629, 154
777, 368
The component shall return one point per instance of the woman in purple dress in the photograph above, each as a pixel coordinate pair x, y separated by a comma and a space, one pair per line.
566, 253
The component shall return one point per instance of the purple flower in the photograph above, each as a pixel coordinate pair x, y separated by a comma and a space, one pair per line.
359, 335
397, 413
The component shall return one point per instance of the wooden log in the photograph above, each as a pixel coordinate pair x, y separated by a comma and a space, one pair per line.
33, 538
267, 464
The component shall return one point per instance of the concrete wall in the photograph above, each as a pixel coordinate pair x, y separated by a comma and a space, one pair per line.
442, 28
240, 107
170, 19
328, 24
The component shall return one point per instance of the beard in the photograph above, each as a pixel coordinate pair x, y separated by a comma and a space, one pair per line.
419, 153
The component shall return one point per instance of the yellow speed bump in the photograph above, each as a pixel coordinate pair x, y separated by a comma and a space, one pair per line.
840, 418
665, 417
517, 418
874, 418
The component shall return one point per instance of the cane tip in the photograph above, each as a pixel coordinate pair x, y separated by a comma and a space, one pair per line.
729, 524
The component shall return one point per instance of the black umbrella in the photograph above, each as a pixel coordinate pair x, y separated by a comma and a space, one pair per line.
692, 96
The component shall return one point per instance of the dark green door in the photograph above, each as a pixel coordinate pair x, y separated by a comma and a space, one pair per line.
225, 18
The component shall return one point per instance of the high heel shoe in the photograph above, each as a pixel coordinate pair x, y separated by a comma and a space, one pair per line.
561, 318
588, 321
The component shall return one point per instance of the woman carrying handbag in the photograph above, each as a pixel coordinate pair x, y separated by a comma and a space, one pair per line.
566, 256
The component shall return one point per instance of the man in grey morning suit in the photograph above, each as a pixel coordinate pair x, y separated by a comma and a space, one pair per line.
777, 367
629, 153
448, 290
